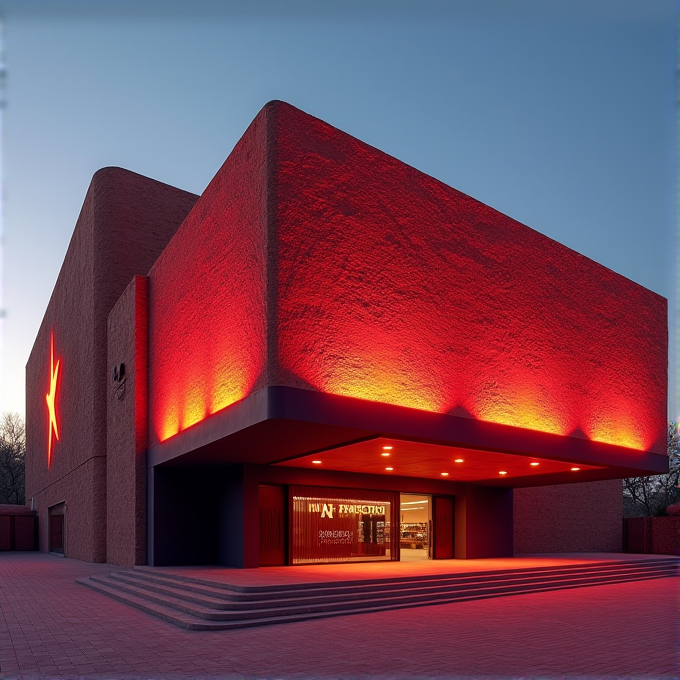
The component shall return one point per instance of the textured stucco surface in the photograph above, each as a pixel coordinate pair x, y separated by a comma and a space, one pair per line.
127, 410
584, 517
395, 287
207, 296
316, 261
125, 223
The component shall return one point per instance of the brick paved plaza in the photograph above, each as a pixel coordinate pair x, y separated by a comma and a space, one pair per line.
52, 627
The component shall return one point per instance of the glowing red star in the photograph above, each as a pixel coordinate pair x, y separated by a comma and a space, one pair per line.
50, 398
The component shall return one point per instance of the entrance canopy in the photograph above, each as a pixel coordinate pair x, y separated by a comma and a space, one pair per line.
432, 461
289, 428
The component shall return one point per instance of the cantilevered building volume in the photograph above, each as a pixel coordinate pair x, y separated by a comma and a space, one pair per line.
329, 356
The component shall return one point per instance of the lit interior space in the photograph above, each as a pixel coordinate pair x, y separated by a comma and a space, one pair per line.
415, 517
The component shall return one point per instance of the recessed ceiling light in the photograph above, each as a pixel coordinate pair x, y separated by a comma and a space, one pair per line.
534, 464
502, 472
387, 448
575, 469
316, 462
458, 460
389, 468
445, 474
384, 454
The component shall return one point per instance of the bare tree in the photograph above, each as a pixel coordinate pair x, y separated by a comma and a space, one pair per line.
12, 459
650, 496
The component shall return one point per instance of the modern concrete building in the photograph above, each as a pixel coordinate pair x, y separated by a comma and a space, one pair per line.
330, 356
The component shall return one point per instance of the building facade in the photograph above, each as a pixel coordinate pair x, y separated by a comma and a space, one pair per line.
330, 356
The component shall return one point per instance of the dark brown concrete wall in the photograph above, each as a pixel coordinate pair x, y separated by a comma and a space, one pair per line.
569, 518
24, 532
483, 517
660, 535
126, 416
17, 531
125, 223
5, 532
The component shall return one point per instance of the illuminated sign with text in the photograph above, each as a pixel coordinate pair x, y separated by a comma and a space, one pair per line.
341, 525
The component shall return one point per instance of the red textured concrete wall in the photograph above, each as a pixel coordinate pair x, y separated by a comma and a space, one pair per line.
316, 261
397, 288
127, 428
207, 296
125, 223
569, 518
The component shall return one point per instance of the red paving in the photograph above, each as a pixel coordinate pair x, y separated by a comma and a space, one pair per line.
53, 627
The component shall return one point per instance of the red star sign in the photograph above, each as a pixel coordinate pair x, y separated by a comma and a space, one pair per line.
50, 397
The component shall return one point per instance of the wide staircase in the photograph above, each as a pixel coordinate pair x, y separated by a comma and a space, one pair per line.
201, 604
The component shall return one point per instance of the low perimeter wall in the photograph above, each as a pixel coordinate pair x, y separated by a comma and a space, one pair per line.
659, 535
18, 528
582, 517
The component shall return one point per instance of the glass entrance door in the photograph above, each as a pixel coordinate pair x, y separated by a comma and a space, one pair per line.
415, 515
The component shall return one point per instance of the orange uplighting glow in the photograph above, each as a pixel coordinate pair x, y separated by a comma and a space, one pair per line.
445, 474
502, 472
458, 460
387, 448
617, 424
316, 462
207, 302
575, 469
51, 397
384, 454
376, 365
389, 468
533, 464
520, 403
199, 392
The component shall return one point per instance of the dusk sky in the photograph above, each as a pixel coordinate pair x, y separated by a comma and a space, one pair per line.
559, 114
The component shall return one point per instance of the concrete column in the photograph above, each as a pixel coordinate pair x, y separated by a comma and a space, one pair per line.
239, 538
126, 426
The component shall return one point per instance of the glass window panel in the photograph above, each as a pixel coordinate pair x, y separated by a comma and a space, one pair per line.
341, 525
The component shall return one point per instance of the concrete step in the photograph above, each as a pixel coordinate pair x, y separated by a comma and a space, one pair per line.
203, 596
212, 597
206, 609
168, 612
270, 590
213, 588
195, 611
